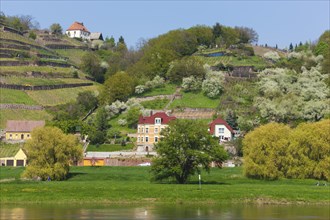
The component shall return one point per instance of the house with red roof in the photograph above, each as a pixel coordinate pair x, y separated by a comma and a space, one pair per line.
149, 128
78, 30
21, 130
221, 129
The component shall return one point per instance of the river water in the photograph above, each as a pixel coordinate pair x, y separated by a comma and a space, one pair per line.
191, 212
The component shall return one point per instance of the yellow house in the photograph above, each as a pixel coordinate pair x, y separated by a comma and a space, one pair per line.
12, 155
149, 128
21, 130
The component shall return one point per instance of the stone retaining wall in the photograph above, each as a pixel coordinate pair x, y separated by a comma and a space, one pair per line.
21, 106
14, 46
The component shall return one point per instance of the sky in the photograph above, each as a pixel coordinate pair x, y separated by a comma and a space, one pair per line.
277, 22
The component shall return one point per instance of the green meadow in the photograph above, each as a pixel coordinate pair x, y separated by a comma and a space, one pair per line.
106, 185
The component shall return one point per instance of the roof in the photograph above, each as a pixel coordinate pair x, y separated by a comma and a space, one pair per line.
9, 150
77, 26
96, 36
23, 126
219, 121
165, 119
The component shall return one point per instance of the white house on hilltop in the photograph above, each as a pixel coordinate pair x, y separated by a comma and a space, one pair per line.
78, 30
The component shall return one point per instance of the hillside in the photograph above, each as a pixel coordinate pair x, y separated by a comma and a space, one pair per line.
33, 74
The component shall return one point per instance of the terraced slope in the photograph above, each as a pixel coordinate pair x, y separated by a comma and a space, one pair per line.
33, 75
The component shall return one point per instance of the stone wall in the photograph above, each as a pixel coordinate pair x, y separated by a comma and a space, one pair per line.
21, 106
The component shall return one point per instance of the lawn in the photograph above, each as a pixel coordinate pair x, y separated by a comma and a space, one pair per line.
168, 89
105, 185
195, 100
22, 114
155, 104
59, 96
110, 147
16, 97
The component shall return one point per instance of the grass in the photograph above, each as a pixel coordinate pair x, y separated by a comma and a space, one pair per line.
16, 97
12, 36
74, 55
35, 81
105, 185
113, 122
22, 114
195, 100
155, 104
45, 70
168, 89
110, 147
59, 96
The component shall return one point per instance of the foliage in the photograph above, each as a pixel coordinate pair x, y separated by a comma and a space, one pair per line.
91, 64
87, 100
272, 55
56, 29
50, 154
132, 117
247, 35
184, 149
212, 86
231, 119
101, 121
32, 35
21, 22
309, 151
274, 150
140, 89
264, 151
117, 87
190, 84
96, 137
185, 67
287, 96
323, 48
122, 122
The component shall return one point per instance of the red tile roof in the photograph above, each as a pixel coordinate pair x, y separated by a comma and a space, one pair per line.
165, 119
77, 26
219, 121
23, 126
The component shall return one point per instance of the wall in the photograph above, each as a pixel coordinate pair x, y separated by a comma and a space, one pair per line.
17, 135
226, 134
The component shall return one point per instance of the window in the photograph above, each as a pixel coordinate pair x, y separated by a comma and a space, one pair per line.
28, 135
158, 121
147, 130
138, 139
142, 130
147, 139
141, 139
156, 139
156, 130
221, 130
221, 137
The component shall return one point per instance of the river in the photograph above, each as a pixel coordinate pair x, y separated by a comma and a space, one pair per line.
191, 212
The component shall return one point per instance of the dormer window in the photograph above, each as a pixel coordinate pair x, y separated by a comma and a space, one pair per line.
158, 121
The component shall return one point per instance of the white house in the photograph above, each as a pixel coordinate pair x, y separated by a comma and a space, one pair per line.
78, 30
220, 128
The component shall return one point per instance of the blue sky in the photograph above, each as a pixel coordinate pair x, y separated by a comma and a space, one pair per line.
276, 22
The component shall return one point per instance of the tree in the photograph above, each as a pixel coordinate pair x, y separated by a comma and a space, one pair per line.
184, 68
91, 64
117, 87
264, 151
185, 148
133, 116
56, 29
247, 35
87, 100
217, 30
50, 153
291, 47
309, 151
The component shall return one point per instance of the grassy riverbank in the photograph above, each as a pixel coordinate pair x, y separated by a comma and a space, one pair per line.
102, 185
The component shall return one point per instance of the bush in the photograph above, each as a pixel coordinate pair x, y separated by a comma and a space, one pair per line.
190, 84
140, 89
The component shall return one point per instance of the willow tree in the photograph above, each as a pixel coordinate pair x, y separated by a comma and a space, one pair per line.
185, 149
50, 153
264, 151
309, 151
